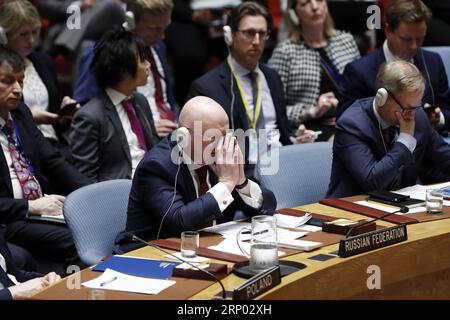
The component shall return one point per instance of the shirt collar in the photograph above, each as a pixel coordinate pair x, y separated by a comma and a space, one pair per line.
240, 70
389, 56
115, 96
3, 122
384, 125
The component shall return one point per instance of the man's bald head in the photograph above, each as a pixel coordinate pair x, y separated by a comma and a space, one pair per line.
207, 122
203, 109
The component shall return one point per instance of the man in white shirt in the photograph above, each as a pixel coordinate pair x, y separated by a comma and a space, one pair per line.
209, 178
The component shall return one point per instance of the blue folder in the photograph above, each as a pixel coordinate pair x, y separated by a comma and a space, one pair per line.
158, 269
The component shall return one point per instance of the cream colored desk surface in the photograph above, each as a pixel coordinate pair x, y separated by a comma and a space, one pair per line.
418, 268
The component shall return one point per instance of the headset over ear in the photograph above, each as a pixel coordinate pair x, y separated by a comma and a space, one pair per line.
227, 35
3, 38
130, 21
182, 135
292, 14
381, 97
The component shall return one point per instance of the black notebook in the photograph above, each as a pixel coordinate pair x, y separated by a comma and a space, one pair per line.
410, 202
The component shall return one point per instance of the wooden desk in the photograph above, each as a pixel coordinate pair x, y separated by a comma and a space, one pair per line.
418, 268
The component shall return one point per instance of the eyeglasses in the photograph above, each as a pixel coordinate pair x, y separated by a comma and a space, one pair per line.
250, 34
401, 107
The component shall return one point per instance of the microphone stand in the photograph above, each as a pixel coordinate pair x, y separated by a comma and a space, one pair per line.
402, 210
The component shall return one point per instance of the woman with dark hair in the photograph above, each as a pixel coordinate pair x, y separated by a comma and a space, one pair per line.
113, 131
310, 64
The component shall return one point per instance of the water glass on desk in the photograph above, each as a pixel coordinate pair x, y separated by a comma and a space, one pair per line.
189, 244
434, 201
264, 243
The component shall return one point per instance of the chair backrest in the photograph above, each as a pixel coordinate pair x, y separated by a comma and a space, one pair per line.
444, 52
303, 175
95, 214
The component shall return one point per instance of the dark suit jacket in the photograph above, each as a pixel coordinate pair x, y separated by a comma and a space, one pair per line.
12, 269
216, 85
153, 190
99, 145
86, 87
358, 80
361, 164
52, 171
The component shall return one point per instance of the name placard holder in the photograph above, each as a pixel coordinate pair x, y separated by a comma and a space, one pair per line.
258, 284
372, 240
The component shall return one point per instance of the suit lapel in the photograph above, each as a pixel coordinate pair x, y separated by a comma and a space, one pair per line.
376, 131
113, 116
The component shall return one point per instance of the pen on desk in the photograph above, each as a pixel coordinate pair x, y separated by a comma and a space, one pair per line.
256, 233
104, 283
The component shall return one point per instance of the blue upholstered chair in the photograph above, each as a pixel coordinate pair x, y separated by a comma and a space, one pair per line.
444, 52
95, 214
303, 174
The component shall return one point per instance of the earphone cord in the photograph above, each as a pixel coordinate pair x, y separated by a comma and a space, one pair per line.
232, 94
382, 137
174, 194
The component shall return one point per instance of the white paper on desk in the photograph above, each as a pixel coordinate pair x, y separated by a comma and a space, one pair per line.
281, 233
285, 234
230, 246
228, 229
299, 244
310, 228
127, 283
419, 191
286, 221
389, 209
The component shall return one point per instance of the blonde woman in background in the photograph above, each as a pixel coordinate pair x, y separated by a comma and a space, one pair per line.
310, 64
21, 25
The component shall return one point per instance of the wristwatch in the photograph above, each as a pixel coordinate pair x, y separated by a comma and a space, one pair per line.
242, 185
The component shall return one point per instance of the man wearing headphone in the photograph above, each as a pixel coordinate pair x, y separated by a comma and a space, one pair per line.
405, 29
251, 93
192, 180
386, 142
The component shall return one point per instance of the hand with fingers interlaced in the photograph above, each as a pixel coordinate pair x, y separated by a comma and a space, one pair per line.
226, 165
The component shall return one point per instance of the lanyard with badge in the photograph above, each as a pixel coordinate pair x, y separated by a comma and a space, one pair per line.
252, 118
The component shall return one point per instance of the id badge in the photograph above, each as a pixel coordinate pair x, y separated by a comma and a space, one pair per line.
253, 148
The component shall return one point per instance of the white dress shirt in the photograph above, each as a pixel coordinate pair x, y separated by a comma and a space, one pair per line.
17, 188
3, 266
268, 107
135, 150
35, 96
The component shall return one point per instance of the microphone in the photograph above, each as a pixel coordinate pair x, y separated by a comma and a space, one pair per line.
403, 209
136, 238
